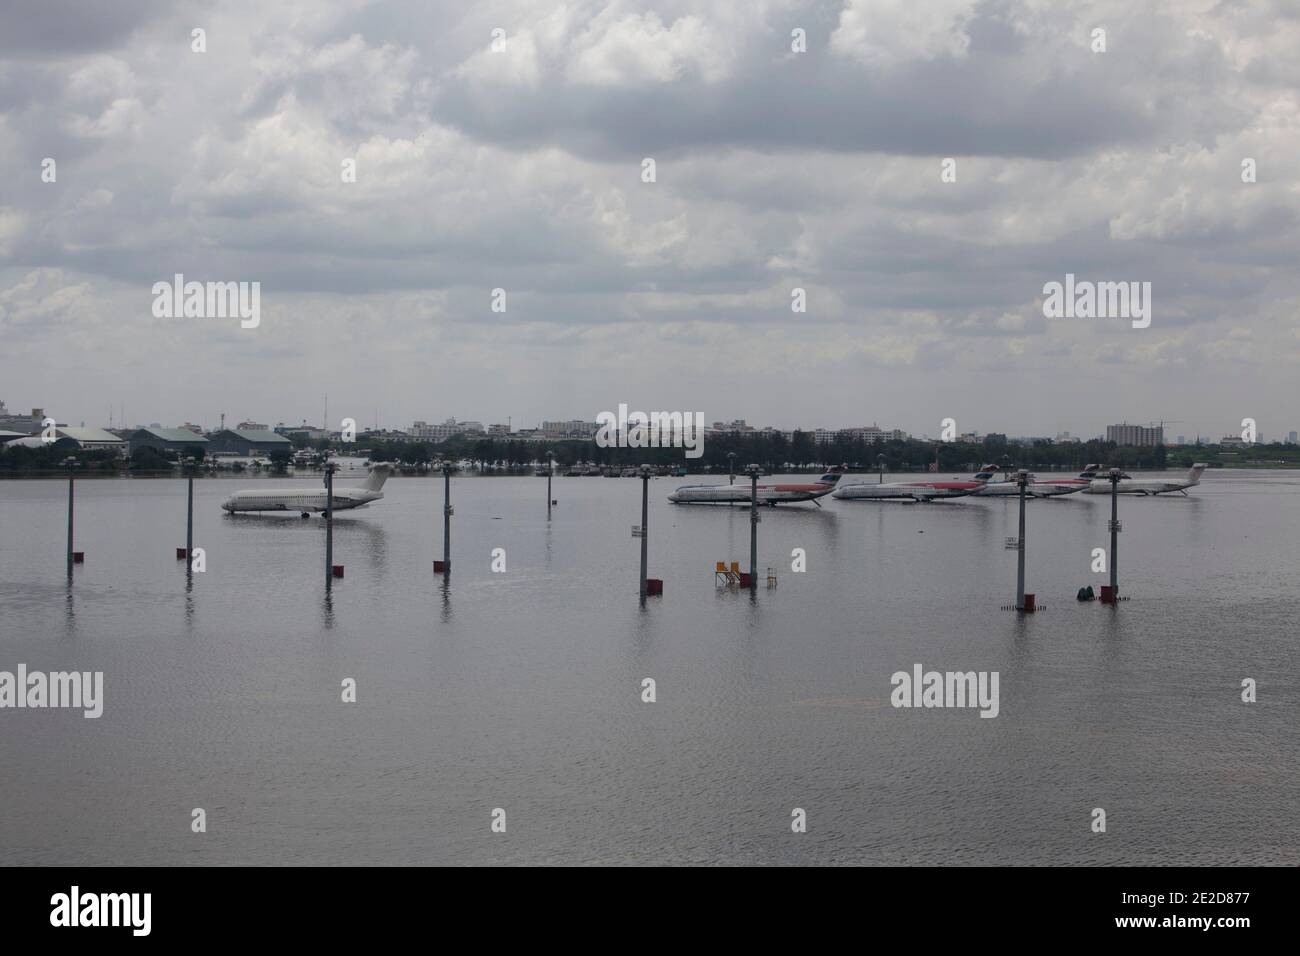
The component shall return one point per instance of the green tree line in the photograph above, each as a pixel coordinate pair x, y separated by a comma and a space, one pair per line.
774, 452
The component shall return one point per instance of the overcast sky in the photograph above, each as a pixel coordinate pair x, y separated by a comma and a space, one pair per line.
521, 169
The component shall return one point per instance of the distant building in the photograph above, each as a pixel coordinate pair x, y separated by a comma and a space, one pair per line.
1232, 441
93, 439
828, 436
1142, 435
382, 434
249, 427
448, 429
244, 442
303, 432
26, 424
1290, 438
737, 427
575, 428
180, 441
873, 433
498, 429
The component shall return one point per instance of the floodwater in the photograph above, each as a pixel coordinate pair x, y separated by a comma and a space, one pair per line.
522, 690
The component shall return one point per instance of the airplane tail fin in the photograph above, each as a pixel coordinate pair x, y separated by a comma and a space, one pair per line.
986, 473
378, 475
832, 476
1194, 476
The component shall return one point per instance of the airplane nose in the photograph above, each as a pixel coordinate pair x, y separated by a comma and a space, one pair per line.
229, 504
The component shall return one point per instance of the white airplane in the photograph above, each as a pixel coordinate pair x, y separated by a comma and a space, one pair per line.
306, 501
1037, 487
1143, 486
914, 490
768, 494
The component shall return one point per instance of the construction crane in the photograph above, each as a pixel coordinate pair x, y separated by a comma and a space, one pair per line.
1162, 423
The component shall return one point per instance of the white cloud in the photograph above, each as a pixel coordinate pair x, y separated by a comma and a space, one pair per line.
639, 49
889, 32
520, 169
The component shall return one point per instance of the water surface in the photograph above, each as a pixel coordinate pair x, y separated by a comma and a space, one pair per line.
522, 690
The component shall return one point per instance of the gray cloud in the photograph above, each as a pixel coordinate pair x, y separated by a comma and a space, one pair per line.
521, 169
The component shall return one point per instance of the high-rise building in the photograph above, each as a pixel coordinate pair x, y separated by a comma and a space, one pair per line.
1126, 434
447, 429
575, 428
873, 433
737, 427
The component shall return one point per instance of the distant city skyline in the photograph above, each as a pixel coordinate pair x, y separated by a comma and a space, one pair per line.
437, 429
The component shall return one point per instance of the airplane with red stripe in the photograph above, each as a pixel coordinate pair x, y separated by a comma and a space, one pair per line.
915, 490
768, 494
1037, 487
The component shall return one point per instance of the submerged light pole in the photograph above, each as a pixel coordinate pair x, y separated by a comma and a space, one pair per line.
71, 463
189, 526
644, 530
550, 472
880, 460
753, 472
1114, 477
329, 525
446, 519
731, 467
1022, 480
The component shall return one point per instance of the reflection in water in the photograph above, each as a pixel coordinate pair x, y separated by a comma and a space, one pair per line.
352, 536
446, 598
371, 539
70, 611
528, 688
986, 523
280, 524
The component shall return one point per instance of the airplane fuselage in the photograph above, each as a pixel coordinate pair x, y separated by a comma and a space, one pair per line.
741, 493
915, 490
1146, 486
302, 502
305, 501
1037, 488
1131, 486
